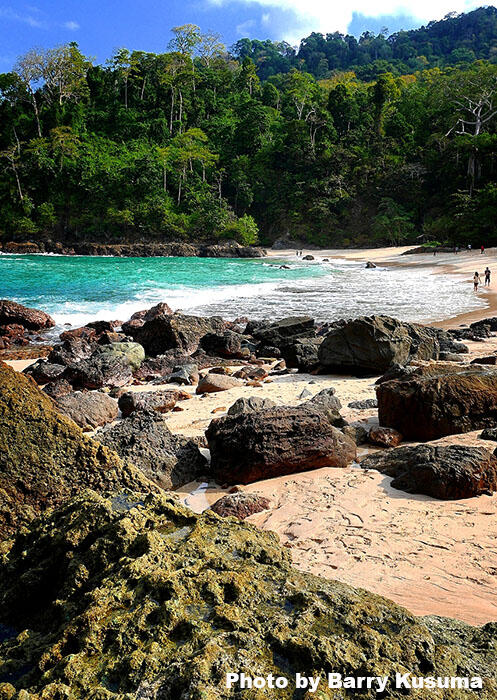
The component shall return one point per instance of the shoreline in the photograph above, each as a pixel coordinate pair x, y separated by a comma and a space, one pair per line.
433, 557
461, 265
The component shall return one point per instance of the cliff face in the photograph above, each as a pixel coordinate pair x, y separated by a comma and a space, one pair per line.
128, 597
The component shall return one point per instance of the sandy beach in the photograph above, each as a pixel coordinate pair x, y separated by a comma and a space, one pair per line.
433, 557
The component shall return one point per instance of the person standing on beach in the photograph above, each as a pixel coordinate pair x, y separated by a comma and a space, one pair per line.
469, 247
482, 249
476, 281
487, 276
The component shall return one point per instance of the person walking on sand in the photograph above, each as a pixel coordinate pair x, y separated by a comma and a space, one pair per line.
487, 276
476, 281
469, 247
482, 249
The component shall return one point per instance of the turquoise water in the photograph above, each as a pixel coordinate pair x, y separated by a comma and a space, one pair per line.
75, 290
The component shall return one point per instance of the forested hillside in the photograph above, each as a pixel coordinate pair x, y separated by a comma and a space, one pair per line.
201, 144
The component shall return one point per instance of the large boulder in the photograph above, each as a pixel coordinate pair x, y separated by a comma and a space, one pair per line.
372, 344
439, 399
283, 332
88, 409
138, 319
302, 353
161, 401
175, 332
142, 599
133, 353
446, 472
145, 440
273, 442
228, 344
31, 319
45, 458
100, 370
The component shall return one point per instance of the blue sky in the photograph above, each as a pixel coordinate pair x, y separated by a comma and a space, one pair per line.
99, 26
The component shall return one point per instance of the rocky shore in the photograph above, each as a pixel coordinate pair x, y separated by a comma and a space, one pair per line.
359, 442
229, 249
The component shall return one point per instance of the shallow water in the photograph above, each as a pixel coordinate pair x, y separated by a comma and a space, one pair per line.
78, 289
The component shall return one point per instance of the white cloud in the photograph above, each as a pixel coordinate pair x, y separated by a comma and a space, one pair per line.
332, 15
9, 14
71, 25
265, 19
244, 28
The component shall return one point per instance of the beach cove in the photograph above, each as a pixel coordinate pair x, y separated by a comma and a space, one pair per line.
434, 557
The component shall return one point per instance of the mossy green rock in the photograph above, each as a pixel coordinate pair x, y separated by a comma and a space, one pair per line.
45, 458
134, 353
130, 598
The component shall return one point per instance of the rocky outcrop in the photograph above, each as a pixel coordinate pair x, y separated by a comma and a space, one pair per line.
363, 404
273, 442
45, 458
445, 472
145, 440
140, 598
160, 401
230, 249
213, 382
89, 409
30, 319
240, 505
175, 332
372, 344
439, 399
249, 405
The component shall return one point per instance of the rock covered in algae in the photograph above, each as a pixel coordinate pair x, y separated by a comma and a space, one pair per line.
129, 598
45, 458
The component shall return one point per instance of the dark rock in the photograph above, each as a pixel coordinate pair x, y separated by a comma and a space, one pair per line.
374, 343
283, 332
217, 382
444, 472
302, 353
308, 257
70, 351
384, 437
103, 326
329, 404
98, 371
240, 505
184, 374
175, 332
227, 344
144, 440
31, 319
249, 405
44, 372
370, 265
89, 409
44, 457
273, 442
488, 434
60, 387
364, 405
109, 337
160, 401
439, 399
487, 360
